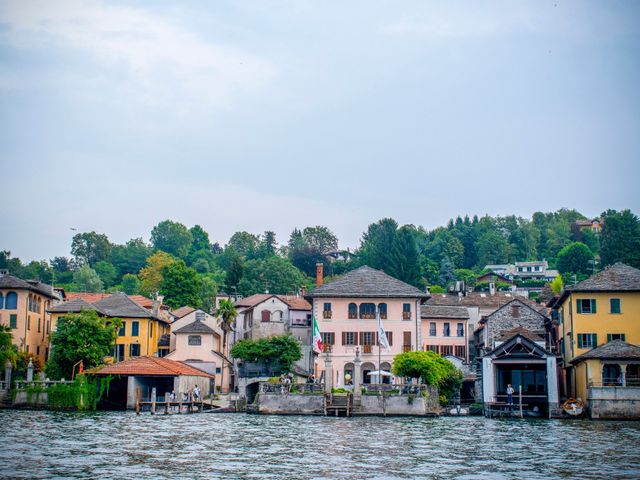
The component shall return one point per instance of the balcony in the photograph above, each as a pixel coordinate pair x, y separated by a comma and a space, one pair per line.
368, 316
352, 315
406, 315
326, 314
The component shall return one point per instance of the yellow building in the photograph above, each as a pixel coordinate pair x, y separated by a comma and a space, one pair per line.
141, 329
602, 310
23, 308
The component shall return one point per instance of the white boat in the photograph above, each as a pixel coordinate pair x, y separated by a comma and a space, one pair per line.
573, 406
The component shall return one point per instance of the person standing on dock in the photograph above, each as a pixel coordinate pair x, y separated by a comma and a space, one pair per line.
196, 393
510, 392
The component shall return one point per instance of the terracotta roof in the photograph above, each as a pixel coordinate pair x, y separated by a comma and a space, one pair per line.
87, 297
149, 367
533, 336
73, 306
195, 327
614, 350
367, 282
294, 302
182, 311
432, 311
10, 281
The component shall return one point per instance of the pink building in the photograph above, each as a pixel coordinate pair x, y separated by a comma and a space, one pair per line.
346, 313
445, 330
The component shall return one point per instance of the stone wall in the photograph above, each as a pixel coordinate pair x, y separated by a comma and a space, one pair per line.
397, 405
291, 404
503, 320
614, 402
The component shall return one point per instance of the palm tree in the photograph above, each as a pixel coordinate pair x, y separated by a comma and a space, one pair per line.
227, 314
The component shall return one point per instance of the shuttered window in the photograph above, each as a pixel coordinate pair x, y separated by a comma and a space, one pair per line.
615, 305
586, 305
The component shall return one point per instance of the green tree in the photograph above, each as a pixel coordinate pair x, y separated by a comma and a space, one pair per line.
310, 246
267, 246
130, 284
274, 274
62, 269
226, 313
283, 350
403, 261
107, 273
376, 244
620, 240
234, 268
83, 336
151, 275
131, 257
445, 245
171, 237
8, 351
180, 285
90, 248
41, 271
447, 273
557, 285
493, 248
244, 243
208, 292
85, 279
575, 258
199, 239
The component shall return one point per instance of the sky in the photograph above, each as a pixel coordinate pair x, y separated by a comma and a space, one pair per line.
270, 115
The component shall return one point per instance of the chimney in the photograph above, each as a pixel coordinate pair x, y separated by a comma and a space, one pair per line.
319, 274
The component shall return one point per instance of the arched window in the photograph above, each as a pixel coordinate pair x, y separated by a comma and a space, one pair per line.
382, 307
29, 302
353, 310
1, 301
12, 301
367, 310
277, 316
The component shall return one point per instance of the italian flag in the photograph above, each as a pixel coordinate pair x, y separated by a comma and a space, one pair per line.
317, 338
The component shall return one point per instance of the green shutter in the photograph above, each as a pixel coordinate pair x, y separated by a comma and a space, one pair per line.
622, 337
579, 306
608, 337
13, 321
593, 306
579, 340
594, 339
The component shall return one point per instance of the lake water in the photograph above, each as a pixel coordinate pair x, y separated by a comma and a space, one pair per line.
108, 445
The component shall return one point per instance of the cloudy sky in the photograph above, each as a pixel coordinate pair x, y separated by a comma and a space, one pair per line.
259, 115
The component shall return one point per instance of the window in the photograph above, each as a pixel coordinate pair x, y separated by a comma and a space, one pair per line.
218, 370
38, 350
432, 329
38, 325
460, 351
367, 310
28, 322
11, 302
515, 311
326, 312
13, 320
194, 340
48, 326
382, 308
119, 353
135, 329
328, 338
353, 310
446, 330
406, 311
460, 330
406, 341
389, 338
134, 350
349, 338
123, 329
615, 305
1, 301
265, 315
446, 350
433, 348
150, 329
367, 338
586, 305
615, 336
587, 340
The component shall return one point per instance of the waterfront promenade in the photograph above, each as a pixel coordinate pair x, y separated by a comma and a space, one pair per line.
122, 445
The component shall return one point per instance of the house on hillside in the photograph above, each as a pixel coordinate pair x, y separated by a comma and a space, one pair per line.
196, 339
346, 310
24, 308
140, 333
514, 346
603, 309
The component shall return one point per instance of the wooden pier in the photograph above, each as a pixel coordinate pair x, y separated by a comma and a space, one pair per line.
168, 406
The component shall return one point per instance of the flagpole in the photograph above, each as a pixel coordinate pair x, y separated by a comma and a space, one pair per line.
379, 350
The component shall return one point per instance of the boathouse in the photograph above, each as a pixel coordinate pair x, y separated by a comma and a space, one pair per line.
147, 373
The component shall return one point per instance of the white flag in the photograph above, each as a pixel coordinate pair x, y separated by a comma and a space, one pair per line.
382, 337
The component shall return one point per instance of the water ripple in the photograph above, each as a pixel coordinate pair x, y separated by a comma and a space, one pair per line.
108, 445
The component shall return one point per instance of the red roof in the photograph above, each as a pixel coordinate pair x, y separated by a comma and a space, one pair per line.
182, 311
144, 302
149, 367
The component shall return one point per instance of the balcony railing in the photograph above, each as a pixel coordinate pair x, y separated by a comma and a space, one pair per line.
326, 314
368, 316
352, 315
288, 388
406, 315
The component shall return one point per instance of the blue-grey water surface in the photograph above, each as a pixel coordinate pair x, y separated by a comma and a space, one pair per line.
122, 445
